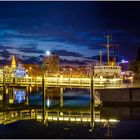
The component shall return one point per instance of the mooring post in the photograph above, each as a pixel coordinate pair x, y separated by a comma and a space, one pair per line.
61, 97
4, 93
43, 98
92, 100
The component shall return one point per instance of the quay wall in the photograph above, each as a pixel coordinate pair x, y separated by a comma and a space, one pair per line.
120, 95
121, 113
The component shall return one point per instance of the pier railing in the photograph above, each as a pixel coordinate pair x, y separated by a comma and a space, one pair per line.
61, 81
8, 117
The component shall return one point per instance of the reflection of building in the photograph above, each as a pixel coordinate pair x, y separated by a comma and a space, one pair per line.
19, 95
52, 63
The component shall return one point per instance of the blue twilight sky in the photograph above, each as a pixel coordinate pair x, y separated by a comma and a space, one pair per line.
73, 30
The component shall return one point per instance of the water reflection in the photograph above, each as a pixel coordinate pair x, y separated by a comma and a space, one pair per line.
70, 106
19, 95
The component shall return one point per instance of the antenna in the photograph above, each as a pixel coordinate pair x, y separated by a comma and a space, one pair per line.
100, 58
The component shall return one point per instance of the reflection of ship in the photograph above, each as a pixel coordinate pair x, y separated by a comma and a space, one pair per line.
110, 73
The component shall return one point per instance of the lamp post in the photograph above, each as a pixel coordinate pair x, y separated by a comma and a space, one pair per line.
43, 98
4, 93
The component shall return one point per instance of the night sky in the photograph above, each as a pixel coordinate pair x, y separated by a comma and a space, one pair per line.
73, 30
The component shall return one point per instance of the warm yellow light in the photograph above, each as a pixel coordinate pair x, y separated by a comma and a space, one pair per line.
78, 119
113, 120
66, 119
72, 119
103, 120
61, 113
60, 118
54, 118
11, 101
49, 118
97, 120
84, 120
39, 117
89, 119
1, 97
39, 78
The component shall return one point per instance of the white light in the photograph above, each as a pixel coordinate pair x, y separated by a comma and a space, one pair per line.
48, 53
48, 102
123, 61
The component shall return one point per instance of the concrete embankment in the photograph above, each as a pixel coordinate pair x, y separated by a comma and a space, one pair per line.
129, 95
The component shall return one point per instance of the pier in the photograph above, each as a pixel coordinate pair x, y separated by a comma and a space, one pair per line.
62, 81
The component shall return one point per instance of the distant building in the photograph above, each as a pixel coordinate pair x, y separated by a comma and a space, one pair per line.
75, 70
14, 70
20, 71
33, 70
52, 63
124, 65
13, 63
9, 70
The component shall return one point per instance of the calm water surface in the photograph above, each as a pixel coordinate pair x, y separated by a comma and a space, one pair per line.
104, 121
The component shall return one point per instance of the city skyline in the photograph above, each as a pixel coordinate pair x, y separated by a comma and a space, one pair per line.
73, 30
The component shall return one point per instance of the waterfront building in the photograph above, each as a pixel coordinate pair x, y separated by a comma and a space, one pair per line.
75, 70
33, 70
51, 64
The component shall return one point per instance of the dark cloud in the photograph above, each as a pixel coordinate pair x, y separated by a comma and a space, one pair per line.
31, 60
31, 50
5, 47
64, 61
5, 54
66, 53
73, 23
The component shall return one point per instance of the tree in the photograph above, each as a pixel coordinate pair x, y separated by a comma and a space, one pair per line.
138, 54
135, 65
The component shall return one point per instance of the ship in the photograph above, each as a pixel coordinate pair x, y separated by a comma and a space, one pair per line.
110, 73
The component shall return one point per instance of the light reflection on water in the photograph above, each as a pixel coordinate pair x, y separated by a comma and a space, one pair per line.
73, 101
71, 98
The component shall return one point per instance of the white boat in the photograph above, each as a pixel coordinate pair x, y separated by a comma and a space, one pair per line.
106, 74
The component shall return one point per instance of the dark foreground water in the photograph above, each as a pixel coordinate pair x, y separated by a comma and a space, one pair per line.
32, 129
108, 121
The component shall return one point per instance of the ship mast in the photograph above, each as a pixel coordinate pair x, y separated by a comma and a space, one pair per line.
107, 45
100, 58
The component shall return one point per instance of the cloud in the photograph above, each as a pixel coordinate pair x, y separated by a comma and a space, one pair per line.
31, 50
5, 54
31, 60
64, 61
67, 53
